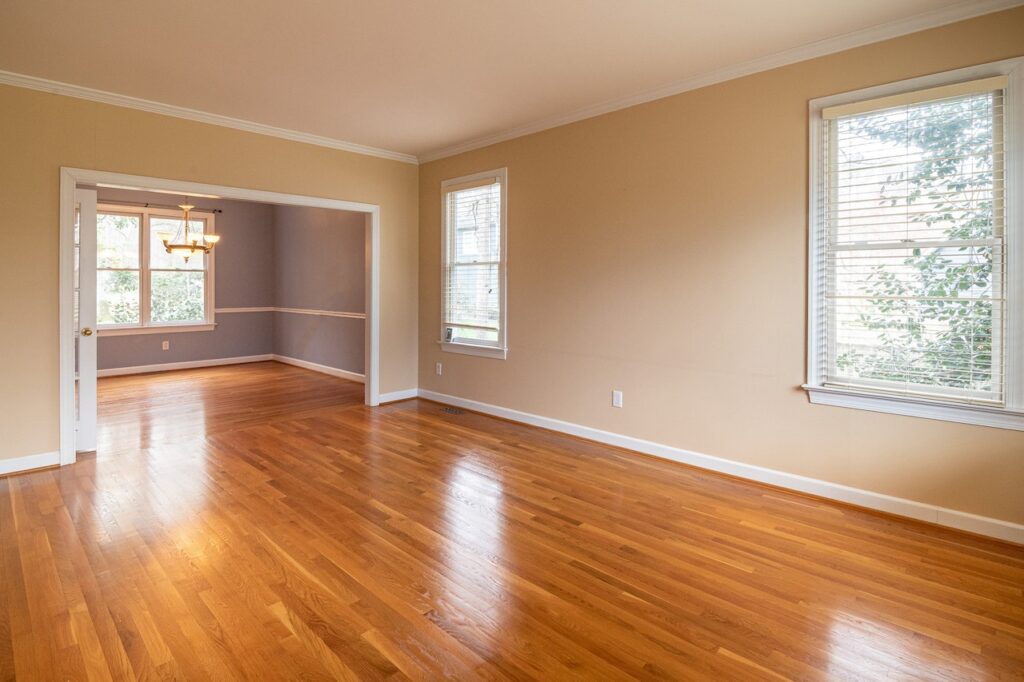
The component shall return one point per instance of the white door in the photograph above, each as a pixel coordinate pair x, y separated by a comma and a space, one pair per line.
85, 320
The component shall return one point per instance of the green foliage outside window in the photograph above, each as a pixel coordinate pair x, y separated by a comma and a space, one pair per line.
917, 333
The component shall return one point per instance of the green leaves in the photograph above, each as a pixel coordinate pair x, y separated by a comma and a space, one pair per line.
931, 313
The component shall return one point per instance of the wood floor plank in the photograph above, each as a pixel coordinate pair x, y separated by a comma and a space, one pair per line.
258, 522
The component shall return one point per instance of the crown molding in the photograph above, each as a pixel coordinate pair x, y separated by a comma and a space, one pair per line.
920, 22
940, 17
67, 89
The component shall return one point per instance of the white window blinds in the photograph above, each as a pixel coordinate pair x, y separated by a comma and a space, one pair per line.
474, 261
913, 263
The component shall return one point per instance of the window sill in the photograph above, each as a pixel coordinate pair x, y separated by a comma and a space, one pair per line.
979, 415
165, 329
480, 351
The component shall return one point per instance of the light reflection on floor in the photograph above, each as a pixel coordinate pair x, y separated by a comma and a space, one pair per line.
476, 549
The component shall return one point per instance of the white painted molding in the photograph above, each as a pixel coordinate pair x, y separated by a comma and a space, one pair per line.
245, 310
323, 313
478, 351
190, 364
162, 329
1003, 530
297, 311
939, 17
29, 462
394, 396
69, 90
323, 369
978, 415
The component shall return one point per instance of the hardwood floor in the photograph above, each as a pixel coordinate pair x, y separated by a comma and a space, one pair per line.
258, 522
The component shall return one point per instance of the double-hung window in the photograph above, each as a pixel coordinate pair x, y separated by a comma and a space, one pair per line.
140, 287
473, 264
916, 296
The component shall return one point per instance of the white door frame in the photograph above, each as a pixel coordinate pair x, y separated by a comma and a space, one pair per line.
71, 177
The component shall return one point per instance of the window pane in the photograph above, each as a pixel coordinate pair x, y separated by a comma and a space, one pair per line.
117, 297
475, 216
915, 253
473, 295
117, 241
158, 256
178, 296
477, 336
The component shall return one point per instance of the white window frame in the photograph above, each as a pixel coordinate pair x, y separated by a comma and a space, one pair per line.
1011, 414
500, 351
145, 325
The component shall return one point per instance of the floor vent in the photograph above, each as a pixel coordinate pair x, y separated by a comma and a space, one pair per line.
451, 410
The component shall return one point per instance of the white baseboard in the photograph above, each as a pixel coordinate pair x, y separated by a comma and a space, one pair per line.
28, 462
1003, 530
399, 395
323, 369
191, 364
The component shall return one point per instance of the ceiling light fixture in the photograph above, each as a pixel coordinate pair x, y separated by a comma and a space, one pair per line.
190, 244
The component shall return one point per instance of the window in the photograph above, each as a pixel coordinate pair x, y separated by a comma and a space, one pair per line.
473, 289
915, 276
139, 286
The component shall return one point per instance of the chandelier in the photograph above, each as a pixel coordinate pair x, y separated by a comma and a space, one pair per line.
190, 243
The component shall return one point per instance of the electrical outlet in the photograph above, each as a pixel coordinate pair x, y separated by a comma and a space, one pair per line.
438, 369
616, 398
166, 345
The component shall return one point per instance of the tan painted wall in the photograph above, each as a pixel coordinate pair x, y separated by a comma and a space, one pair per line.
39, 133
661, 250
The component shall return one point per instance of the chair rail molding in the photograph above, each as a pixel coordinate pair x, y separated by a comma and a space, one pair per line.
296, 311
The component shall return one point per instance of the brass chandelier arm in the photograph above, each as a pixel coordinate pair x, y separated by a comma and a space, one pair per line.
190, 245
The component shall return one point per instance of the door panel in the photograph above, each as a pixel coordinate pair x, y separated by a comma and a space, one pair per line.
85, 320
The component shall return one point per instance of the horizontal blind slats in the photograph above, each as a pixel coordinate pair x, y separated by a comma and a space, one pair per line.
913, 276
473, 260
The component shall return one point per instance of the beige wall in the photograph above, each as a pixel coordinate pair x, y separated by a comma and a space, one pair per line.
39, 133
661, 250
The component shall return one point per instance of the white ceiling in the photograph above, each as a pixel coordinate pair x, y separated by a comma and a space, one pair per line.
415, 76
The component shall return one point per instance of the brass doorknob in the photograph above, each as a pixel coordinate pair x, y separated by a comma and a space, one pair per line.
86, 331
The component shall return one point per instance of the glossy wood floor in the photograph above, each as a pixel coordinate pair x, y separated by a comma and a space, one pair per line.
258, 522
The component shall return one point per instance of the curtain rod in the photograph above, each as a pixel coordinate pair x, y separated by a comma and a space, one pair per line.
147, 204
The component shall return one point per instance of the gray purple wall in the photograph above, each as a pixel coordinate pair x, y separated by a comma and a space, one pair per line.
269, 256
319, 264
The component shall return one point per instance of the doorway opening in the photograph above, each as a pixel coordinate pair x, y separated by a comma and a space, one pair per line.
124, 304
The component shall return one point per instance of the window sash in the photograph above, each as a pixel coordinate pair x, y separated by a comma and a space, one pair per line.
466, 330
831, 247
1009, 415
145, 270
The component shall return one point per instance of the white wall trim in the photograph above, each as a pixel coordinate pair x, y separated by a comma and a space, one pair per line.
1003, 530
156, 329
939, 17
399, 395
297, 311
189, 364
321, 313
29, 462
253, 309
978, 415
69, 90
323, 369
